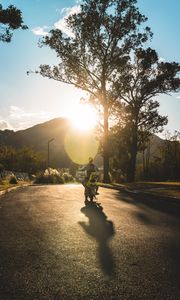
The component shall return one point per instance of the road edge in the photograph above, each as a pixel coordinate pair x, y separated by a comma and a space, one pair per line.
124, 189
3, 192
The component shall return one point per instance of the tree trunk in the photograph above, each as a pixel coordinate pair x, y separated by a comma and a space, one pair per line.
146, 160
148, 155
132, 160
106, 178
143, 159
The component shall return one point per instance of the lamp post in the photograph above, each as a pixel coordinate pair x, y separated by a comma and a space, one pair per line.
49, 152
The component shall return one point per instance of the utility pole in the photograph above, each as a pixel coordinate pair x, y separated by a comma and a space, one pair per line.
49, 152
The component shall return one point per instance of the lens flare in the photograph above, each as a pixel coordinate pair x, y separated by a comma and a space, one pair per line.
80, 146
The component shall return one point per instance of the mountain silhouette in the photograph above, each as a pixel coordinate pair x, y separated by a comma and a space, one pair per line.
38, 136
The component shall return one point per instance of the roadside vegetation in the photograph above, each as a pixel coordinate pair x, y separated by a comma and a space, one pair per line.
13, 179
24, 159
11, 182
53, 176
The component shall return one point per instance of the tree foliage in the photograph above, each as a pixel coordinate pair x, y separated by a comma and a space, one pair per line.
21, 160
143, 78
170, 156
10, 20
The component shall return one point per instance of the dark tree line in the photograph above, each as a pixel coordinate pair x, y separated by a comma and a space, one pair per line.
166, 164
158, 159
21, 160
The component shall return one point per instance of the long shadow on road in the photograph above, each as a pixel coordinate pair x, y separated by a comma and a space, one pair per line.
102, 230
160, 204
163, 216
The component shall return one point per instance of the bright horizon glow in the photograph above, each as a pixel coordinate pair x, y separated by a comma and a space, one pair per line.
83, 117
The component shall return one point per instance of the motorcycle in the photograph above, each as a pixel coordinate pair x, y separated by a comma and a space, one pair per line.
91, 187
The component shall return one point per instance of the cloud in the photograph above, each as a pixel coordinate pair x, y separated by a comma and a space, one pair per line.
40, 31
22, 119
5, 125
15, 112
61, 24
19, 113
71, 10
178, 97
62, 11
161, 59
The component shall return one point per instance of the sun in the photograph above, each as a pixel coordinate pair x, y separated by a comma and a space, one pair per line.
83, 117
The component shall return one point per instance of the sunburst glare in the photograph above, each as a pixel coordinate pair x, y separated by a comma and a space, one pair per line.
83, 117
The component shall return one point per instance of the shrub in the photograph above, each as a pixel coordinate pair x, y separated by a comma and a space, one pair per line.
13, 179
67, 177
50, 176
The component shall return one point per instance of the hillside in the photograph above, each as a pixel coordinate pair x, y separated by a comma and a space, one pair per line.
154, 149
38, 136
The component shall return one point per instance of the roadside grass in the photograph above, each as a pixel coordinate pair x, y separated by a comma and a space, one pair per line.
4, 184
164, 188
141, 185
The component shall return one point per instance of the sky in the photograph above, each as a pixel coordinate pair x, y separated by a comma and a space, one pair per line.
29, 100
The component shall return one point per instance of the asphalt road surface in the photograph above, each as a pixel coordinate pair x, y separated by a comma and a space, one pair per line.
53, 247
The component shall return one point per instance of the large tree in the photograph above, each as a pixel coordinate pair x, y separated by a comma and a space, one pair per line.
10, 19
144, 77
102, 36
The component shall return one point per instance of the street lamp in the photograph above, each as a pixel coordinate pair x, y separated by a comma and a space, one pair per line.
48, 152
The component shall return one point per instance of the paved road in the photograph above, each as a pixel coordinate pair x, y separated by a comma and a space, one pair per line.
52, 247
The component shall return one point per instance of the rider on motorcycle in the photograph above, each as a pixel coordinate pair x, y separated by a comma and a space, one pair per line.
89, 168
